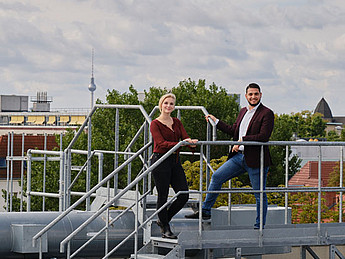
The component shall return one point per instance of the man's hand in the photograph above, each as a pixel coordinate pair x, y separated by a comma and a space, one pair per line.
210, 116
235, 148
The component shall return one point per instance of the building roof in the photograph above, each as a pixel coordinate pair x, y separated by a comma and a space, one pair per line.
308, 175
323, 108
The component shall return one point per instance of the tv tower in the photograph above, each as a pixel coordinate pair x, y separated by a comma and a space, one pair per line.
92, 86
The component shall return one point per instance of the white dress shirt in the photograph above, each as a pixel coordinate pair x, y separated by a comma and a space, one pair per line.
245, 123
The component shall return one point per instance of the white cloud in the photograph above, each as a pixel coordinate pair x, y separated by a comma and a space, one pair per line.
293, 49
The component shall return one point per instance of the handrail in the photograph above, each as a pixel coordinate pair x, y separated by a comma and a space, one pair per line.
202, 108
80, 200
104, 106
105, 227
149, 169
120, 194
67, 239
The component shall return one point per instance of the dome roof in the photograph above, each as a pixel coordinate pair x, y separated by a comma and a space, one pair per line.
323, 108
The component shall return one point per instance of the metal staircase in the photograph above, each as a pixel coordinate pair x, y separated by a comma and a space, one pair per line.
226, 234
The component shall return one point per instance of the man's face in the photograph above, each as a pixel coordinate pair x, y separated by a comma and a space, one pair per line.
253, 96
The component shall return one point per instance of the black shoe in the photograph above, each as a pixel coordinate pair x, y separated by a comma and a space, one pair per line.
257, 226
167, 233
195, 215
160, 225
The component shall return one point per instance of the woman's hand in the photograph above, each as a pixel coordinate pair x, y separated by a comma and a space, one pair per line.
191, 141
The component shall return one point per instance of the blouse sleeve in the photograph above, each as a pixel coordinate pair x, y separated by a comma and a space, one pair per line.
158, 138
184, 134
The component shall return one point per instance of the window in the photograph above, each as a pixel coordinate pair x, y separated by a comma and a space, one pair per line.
3, 163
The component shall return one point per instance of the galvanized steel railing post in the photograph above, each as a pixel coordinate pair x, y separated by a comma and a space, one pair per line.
28, 187
11, 174
100, 166
107, 223
68, 161
319, 196
129, 168
88, 174
200, 188
229, 203
8, 171
116, 156
136, 219
22, 176
40, 248
286, 183
69, 250
341, 185
261, 194
61, 181
44, 173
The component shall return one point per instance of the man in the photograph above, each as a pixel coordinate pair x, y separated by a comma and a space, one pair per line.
254, 123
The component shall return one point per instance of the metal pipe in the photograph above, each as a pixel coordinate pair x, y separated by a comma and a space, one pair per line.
100, 166
341, 185
44, 172
229, 203
11, 174
117, 196
28, 186
319, 197
200, 188
286, 182
88, 172
61, 180
208, 154
22, 176
70, 208
81, 170
8, 171
261, 194
44, 152
117, 144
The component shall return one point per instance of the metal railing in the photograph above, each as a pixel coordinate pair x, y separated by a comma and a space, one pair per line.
202, 144
143, 154
117, 168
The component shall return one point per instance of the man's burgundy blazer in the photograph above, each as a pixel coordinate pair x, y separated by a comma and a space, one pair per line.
259, 129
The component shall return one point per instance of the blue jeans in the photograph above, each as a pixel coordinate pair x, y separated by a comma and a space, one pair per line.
234, 167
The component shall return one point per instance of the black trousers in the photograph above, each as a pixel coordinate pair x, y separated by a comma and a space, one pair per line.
169, 172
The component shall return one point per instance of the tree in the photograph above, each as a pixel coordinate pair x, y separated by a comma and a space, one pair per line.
191, 93
304, 125
305, 208
192, 171
188, 92
283, 131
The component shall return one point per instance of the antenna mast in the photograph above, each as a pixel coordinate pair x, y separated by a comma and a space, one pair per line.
92, 86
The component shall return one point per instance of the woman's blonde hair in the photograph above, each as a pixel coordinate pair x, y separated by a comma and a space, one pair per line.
161, 100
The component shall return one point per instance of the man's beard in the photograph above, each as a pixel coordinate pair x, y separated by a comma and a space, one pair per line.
253, 105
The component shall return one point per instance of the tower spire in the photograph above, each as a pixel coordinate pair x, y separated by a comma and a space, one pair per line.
92, 85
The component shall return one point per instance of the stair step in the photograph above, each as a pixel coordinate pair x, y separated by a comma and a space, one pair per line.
165, 240
149, 256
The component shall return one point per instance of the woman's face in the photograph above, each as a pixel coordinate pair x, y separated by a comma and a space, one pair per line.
168, 105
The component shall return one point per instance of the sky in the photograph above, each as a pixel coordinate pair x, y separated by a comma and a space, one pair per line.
294, 49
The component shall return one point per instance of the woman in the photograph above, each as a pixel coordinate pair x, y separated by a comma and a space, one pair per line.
167, 132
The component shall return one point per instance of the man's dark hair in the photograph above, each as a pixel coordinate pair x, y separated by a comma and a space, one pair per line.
253, 85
